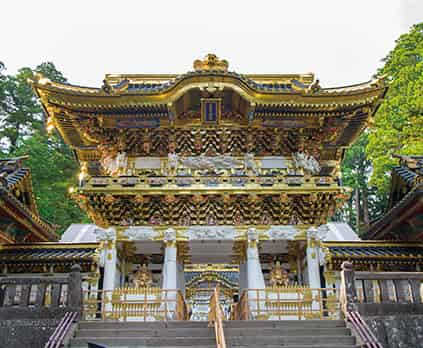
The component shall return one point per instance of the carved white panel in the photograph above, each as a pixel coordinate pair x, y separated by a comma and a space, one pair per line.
140, 233
277, 162
105, 233
147, 163
282, 232
210, 163
210, 232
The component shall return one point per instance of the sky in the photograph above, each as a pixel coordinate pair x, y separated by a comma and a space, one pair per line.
341, 41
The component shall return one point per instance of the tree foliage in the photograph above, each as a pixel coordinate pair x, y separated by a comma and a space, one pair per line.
399, 123
398, 129
22, 132
53, 169
366, 202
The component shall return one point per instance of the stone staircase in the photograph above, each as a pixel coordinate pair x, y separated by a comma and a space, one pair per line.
252, 334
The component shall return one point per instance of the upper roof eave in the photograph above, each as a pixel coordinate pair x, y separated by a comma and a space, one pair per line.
84, 97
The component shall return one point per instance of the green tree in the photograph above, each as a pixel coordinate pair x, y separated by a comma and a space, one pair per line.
22, 132
53, 169
365, 203
20, 113
398, 125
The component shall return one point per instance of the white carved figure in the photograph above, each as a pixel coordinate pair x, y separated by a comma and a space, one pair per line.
306, 162
122, 160
109, 163
319, 233
170, 235
312, 233
172, 161
252, 234
250, 163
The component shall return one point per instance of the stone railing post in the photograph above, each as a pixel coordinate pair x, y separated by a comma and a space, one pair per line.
348, 292
75, 288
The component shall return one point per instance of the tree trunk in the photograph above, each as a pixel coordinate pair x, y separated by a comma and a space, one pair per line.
366, 218
357, 210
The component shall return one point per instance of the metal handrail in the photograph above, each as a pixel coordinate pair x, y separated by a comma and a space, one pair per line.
62, 329
216, 318
363, 330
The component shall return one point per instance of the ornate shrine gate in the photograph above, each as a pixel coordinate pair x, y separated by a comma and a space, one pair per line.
210, 167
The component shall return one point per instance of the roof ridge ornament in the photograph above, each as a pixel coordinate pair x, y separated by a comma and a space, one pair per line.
211, 62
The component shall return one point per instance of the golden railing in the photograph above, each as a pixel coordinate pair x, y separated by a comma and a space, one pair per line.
193, 292
280, 303
134, 304
216, 318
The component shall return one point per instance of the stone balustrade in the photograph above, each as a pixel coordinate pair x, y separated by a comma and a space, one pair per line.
381, 293
40, 297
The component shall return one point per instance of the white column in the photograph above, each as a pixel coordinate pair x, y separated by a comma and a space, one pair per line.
313, 264
110, 265
108, 238
255, 278
170, 267
170, 270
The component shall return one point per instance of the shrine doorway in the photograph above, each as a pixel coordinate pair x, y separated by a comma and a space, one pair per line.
202, 279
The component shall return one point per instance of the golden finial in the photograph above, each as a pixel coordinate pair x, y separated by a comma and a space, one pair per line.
211, 62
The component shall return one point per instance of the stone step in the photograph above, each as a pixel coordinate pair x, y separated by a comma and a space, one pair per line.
146, 332
296, 331
232, 341
294, 346
290, 340
284, 323
239, 334
138, 325
206, 332
201, 324
229, 346
144, 341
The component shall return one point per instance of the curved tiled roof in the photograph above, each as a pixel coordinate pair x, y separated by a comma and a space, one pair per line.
48, 252
373, 252
14, 175
378, 251
406, 197
148, 87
